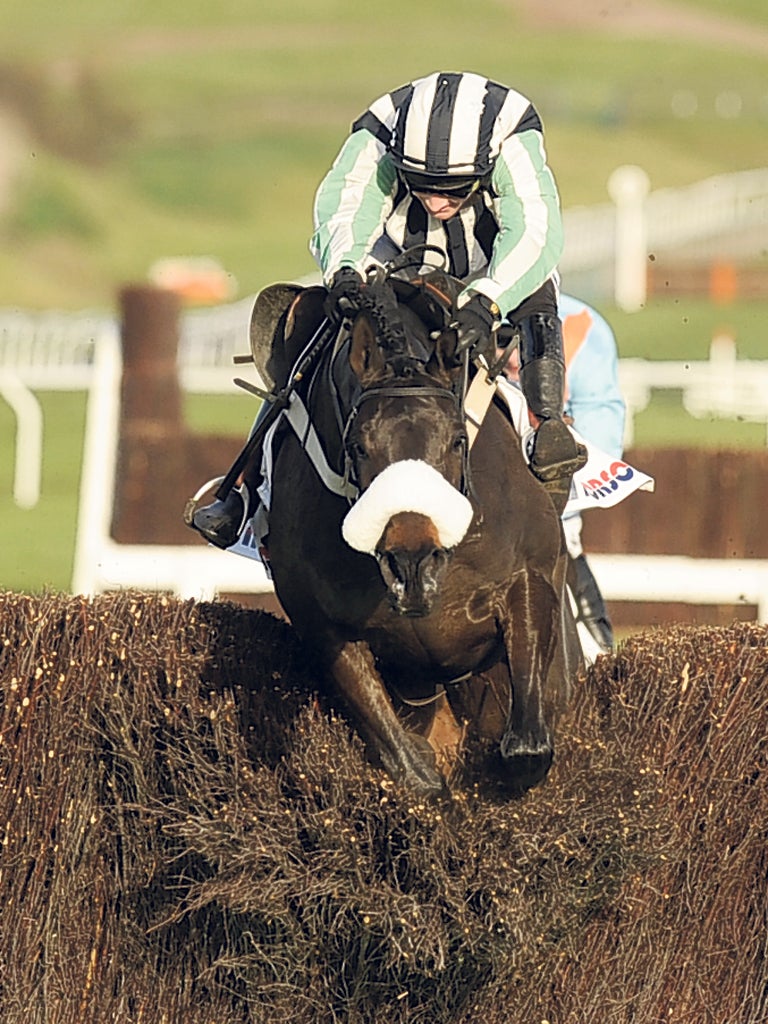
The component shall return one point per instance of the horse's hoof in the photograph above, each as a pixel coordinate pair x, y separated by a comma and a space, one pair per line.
417, 771
525, 765
431, 787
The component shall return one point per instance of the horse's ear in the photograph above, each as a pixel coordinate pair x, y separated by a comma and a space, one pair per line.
444, 358
365, 355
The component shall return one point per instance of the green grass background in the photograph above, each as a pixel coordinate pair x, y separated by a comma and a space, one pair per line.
144, 130
173, 129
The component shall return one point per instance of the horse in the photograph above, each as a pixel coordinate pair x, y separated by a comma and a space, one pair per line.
447, 572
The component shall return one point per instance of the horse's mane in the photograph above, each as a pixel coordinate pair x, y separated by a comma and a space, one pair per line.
406, 316
405, 346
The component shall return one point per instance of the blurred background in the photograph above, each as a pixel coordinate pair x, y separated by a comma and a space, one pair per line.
142, 140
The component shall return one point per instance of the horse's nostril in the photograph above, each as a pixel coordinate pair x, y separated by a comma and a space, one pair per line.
394, 566
439, 557
416, 573
402, 567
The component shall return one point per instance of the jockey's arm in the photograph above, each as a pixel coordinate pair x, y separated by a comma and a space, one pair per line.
352, 204
530, 239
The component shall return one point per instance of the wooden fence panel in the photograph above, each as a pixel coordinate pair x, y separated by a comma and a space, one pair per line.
707, 504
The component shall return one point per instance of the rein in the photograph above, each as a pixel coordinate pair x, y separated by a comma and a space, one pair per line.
381, 305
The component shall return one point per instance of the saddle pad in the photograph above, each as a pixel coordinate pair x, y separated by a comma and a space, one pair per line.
603, 482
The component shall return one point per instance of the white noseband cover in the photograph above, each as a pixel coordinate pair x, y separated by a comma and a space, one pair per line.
407, 486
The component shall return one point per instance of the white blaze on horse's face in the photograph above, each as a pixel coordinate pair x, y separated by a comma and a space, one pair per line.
410, 485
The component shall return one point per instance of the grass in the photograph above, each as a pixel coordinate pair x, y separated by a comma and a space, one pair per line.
199, 130
38, 544
683, 328
665, 424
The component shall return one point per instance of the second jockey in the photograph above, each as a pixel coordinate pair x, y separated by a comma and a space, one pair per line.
595, 406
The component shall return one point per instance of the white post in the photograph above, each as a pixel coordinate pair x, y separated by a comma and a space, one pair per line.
28, 461
628, 186
97, 475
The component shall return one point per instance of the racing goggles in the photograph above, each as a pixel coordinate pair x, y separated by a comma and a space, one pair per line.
453, 187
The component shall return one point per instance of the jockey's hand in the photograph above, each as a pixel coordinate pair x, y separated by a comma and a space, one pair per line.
343, 294
475, 325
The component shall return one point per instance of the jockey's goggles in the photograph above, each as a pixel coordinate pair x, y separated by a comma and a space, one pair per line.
454, 188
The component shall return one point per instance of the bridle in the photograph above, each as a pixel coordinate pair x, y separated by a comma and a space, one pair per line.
381, 306
400, 390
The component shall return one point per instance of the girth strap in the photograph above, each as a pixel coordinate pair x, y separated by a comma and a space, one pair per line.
477, 401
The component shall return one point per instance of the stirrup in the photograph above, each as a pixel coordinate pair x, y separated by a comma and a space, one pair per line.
191, 504
226, 532
559, 463
553, 471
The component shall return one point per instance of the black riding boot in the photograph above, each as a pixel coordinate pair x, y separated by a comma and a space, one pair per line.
555, 456
222, 522
590, 605
284, 319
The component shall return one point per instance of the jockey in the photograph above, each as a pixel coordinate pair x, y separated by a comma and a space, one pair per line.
458, 161
455, 161
596, 408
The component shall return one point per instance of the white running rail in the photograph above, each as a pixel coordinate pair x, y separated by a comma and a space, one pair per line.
678, 578
102, 563
203, 572
698, 214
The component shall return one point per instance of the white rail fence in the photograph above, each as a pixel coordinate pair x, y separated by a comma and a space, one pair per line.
202, 572
725, 215
680, 579
102, 564
700, 214
721, 387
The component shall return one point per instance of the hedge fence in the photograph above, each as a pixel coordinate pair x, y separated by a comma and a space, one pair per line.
191, 834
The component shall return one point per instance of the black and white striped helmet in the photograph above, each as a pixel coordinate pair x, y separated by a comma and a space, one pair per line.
450, 126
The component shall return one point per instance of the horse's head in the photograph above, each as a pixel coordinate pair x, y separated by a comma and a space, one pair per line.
406, 448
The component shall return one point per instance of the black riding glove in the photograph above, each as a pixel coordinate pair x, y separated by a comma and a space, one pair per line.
343, 294
475, 325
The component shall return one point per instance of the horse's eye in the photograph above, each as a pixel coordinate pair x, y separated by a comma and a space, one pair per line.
357, 452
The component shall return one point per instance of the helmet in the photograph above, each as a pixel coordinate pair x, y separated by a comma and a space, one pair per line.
443, 139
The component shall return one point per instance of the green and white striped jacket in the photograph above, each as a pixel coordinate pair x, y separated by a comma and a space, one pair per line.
505, 243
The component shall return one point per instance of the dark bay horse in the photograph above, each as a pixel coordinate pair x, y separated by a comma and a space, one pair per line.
447, 571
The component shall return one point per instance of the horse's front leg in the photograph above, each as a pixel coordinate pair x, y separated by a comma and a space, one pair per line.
530, 636
406, 756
